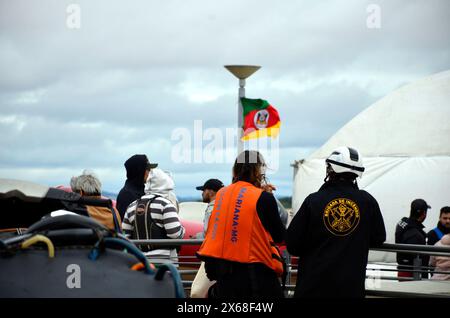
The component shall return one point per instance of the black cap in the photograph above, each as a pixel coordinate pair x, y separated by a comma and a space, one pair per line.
137, 164
151, 165
211, 184
419, 205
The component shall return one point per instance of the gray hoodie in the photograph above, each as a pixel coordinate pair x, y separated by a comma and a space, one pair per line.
161, 182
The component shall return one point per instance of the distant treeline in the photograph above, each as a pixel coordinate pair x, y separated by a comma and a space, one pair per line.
286, 201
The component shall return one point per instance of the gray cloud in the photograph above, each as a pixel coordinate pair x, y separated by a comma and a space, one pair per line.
89, 98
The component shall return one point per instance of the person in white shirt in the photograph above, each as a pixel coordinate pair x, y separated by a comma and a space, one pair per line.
209, 191
201, 283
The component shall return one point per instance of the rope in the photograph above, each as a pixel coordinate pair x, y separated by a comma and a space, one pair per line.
42, 239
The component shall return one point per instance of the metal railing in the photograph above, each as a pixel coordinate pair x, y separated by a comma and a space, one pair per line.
413, 249
168, 242
416, 269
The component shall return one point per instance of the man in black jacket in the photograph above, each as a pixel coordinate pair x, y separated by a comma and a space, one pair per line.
410, 231
442, 228
138, 168
333, 231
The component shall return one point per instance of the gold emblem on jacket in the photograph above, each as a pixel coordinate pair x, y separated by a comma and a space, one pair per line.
341, 216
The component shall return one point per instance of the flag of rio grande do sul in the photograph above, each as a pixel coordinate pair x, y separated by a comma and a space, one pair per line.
260, 119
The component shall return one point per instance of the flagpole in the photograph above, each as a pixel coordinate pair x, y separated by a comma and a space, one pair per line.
240, 121
241, 72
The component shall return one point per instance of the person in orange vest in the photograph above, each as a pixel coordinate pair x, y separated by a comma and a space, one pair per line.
239, 249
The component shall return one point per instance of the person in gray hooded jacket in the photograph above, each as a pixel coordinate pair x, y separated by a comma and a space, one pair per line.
155, 216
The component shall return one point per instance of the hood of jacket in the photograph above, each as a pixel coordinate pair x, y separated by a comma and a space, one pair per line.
159, 181
136, 167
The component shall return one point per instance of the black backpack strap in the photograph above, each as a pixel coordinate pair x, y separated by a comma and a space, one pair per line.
117, 226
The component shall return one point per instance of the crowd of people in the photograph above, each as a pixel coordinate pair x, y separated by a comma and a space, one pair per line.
331, 233
410, 230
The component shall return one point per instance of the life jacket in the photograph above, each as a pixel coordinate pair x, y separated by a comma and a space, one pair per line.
145, 227
235, 232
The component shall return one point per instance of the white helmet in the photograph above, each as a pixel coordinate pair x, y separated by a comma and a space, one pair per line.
346, 159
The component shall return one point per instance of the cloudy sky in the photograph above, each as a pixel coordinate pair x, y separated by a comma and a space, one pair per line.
136, 71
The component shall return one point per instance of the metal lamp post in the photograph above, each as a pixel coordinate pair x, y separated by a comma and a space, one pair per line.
241, 72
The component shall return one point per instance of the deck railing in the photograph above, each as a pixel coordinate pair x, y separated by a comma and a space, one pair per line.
188, 266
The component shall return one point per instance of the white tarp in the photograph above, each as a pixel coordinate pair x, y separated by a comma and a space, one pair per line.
404, 139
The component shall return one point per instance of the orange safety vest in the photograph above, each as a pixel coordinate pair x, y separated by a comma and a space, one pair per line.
235, 232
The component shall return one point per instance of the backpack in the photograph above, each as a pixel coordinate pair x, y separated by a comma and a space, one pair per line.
145, 227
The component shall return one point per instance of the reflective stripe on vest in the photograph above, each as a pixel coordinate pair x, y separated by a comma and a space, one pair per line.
438, 233
235, 232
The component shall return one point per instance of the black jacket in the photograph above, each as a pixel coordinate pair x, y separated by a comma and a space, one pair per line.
432, 237
410, 231
331, 234
134, 185
130, 192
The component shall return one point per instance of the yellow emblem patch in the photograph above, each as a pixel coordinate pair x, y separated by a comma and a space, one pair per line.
341, 216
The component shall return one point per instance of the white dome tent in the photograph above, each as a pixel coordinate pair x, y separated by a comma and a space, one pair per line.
404, 139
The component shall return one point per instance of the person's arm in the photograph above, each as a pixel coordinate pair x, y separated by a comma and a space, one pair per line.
267, 210
171, 222
413, 236
296, 238
206, 218
128, 220
377, 228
